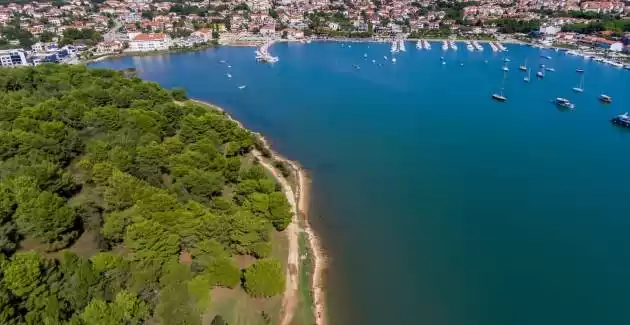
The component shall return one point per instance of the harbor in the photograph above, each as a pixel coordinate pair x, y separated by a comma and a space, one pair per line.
524, 154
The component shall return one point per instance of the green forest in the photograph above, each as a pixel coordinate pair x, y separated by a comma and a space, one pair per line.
123, 203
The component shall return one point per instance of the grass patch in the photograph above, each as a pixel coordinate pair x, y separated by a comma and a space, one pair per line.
238, 308
280, 247
304, 314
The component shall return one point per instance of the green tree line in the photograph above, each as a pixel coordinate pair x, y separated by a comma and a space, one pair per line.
510, 25
167, 188
617, 26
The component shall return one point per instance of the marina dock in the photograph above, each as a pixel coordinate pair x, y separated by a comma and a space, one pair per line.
477, 46
493, 47
426, 44
263, 55
452, 45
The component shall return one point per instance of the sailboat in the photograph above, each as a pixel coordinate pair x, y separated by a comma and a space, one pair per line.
580, 87
524, 66
505, 68
500, 97
528, 77
540, 74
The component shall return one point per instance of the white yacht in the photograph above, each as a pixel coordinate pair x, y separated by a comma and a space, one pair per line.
427, 45
401, 45
469, 46
453, 45
394, 47
477, 46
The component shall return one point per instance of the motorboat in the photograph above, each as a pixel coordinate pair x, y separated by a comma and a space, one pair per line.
564, 103
605, 99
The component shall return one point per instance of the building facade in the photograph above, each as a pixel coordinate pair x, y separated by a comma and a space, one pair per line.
13, 58
150, 42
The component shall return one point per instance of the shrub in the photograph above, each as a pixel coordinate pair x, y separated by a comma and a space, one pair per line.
179, 94
264, 278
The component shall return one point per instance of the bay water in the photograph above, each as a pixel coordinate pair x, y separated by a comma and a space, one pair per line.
437, 205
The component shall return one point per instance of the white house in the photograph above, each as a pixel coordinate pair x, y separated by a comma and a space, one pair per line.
13, 58
149, 42
106, 47
616, 47
549, 30
203, 33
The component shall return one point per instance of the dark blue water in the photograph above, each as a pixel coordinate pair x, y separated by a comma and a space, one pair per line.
437, 205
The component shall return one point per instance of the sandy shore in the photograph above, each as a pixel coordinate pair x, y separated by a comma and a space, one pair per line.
299, 201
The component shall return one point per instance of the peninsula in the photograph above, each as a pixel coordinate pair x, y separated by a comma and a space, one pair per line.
126, 203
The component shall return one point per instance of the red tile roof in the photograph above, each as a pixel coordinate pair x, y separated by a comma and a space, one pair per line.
149, 37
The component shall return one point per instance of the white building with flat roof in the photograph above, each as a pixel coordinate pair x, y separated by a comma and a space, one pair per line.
13, 58
149, 42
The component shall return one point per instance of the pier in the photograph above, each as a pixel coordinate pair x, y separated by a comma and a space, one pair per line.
426, 44
477, 46
395, 48
493, 47
263, 55
470, 46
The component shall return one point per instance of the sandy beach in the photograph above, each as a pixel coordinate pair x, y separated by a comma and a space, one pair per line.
299, 202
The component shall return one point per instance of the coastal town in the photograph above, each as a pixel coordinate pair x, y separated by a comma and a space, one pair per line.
73, 31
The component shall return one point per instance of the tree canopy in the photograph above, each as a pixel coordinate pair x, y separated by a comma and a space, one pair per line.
264, 278
167, 188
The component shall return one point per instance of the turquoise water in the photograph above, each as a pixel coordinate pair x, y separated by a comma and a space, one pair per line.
437, 205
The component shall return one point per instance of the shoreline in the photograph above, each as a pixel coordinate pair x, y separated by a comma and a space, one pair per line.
255, 44
151, 53
299, 201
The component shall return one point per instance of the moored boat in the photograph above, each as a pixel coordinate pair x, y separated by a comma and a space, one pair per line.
580, 87
401, 45
605, 99
622, 120
564, 103
499, 97
524, 66
528, 77
477, 46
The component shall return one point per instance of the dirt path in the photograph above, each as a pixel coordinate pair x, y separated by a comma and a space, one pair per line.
299, 204
290, 299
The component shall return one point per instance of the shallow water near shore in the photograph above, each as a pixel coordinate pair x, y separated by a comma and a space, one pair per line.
437, 205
